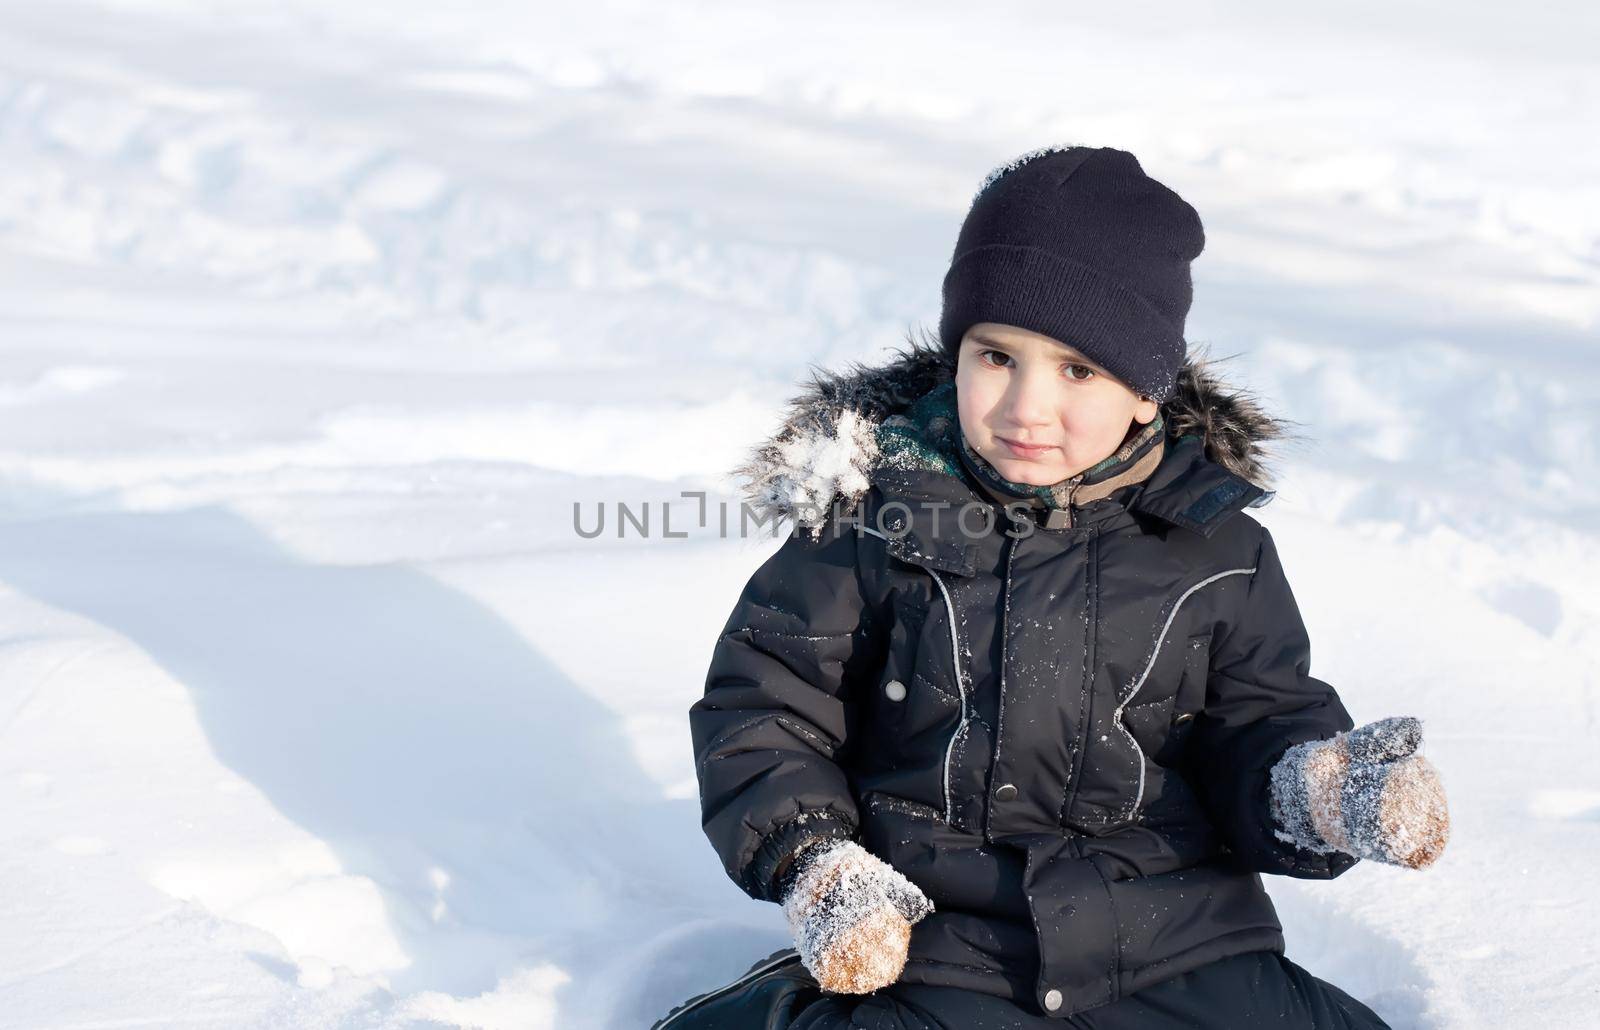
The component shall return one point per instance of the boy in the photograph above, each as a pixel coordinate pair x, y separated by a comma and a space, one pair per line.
1013, 722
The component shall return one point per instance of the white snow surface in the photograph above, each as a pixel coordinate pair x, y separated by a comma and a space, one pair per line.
316, 320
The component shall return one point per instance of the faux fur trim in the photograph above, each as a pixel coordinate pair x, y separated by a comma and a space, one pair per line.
825, 449
1236, 428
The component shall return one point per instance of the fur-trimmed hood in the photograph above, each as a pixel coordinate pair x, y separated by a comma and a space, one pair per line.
826, 449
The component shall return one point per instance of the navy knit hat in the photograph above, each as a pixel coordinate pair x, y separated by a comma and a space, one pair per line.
1079, 244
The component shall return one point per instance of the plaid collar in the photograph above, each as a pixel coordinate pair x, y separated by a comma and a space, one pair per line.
928, 436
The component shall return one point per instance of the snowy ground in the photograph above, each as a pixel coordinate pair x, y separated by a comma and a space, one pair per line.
316, 712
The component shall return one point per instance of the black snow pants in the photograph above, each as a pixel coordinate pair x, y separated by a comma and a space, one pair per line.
1258, 989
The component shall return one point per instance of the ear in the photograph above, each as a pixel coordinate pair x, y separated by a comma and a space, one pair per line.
1145, 412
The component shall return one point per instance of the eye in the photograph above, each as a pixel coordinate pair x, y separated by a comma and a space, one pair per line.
1002, 355
1072, 370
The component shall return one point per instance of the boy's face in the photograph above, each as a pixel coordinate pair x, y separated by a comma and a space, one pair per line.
1015, 387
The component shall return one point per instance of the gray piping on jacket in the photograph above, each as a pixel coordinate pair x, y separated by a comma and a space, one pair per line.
961, 727
1138, 684
961, 684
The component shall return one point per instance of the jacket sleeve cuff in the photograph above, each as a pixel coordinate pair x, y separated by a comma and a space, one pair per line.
1260, 844
782, 841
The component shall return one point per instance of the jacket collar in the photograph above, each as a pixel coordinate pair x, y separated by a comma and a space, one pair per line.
1056, 505
928, 435
891, 426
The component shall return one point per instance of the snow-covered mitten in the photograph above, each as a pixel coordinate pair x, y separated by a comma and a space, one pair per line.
851, 915
1364, 792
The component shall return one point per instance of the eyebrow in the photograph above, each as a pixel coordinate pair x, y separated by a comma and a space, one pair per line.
1072, 352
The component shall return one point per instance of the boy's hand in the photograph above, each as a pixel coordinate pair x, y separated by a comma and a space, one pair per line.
1364, 792
851, 916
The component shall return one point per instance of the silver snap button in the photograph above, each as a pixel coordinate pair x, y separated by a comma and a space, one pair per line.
894, 690
1185, 717
1052, 999
1005, 792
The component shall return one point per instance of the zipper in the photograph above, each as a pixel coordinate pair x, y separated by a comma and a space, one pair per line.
1080, 743
1005, 644
1061, 518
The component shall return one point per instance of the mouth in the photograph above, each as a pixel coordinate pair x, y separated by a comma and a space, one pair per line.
1023, 450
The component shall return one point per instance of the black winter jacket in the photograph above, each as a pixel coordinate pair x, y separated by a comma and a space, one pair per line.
1061, 735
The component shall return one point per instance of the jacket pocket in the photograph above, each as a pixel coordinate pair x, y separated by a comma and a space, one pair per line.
895, 684
912, 711
959, 871
1160, 724
1191, 697
910, 613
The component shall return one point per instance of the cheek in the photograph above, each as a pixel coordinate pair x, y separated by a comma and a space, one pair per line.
1082, 422
974, 401
1097, 423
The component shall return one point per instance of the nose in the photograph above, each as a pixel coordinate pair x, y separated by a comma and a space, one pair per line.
1030, 401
